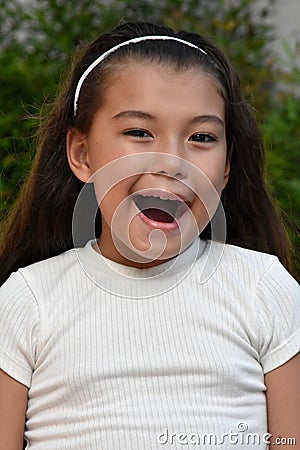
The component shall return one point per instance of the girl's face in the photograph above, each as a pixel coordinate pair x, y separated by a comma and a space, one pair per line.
170, 126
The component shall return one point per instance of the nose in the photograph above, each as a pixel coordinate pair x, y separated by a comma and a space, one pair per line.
170, 164
178, 175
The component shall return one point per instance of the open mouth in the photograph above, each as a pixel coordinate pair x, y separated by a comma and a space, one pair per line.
160, 210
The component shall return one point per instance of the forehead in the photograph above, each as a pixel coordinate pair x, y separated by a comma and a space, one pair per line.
157, 87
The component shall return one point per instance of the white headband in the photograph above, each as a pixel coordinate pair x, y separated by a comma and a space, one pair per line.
116, 47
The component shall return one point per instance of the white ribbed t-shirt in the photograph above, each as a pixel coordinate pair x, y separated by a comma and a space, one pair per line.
170, 357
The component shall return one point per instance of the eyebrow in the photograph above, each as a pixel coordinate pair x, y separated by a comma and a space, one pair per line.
206, 118
134, 113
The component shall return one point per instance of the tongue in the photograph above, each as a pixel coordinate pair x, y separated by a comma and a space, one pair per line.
158, 215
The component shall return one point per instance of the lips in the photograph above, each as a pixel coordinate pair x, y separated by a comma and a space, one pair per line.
162, 210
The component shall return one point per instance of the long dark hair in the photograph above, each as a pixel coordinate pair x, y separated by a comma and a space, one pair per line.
40, 224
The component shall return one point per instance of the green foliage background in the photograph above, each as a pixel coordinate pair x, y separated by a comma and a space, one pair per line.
36, 47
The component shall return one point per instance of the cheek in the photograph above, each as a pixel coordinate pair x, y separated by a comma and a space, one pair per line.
112, 191
209, 185
99, 160
218, 181
101, 152
211, 172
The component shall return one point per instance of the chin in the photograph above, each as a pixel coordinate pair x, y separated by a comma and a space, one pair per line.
160, 249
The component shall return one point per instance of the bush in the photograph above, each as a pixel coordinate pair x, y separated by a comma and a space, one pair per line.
37, 42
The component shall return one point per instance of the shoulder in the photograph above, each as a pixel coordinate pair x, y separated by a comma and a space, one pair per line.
245, 260
31, 300
263, 267
52, 271
234, 264
268, 297
19, 328
43, 280
254, 267
277, 299
265, 273
249, 273
62, 260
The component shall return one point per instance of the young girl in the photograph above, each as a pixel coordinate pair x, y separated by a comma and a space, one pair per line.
119, 327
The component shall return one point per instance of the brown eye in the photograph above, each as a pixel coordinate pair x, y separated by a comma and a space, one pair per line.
202, 137
138, 133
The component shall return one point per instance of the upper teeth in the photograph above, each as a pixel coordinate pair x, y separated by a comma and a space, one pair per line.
161, 197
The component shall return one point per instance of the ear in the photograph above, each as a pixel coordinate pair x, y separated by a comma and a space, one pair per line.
227, 168
77, 153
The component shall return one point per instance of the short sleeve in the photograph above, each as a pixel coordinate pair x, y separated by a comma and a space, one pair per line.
19, 326
278, 316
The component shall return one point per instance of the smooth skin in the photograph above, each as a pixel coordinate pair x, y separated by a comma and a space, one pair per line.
13, 405
283, 402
